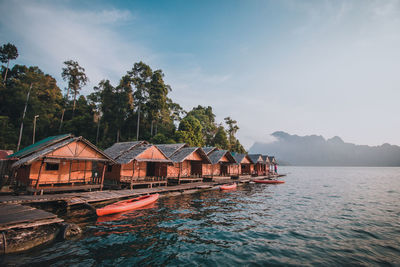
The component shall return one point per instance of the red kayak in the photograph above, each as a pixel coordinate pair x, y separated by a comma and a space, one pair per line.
125, 205
269, 182
228, 186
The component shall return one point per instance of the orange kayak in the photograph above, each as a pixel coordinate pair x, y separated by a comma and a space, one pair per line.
269, 182
125, 205
228, 186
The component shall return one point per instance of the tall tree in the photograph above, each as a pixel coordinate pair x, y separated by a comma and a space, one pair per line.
140, 74
8, 52
190, 132
207, 119
221, 139
76, 77
232, 129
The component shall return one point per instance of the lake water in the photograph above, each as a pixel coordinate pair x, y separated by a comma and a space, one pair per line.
320, 216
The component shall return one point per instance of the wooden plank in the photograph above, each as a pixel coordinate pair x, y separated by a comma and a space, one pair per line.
31, 224
7, 210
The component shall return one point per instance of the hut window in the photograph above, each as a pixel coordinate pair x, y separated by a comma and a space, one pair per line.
109, 168
52, 166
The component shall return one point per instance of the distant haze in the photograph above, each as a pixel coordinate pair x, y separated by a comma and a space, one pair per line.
315, 150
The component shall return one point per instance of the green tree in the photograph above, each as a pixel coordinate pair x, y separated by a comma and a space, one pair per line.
190, 132
207, 120
8, 52
140, 75
221, 139
232, 129
76, 77
45, 100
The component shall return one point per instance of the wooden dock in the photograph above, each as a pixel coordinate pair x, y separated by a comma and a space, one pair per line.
20, 216
98, 196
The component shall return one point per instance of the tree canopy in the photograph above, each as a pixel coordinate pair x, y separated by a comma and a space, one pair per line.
137, 107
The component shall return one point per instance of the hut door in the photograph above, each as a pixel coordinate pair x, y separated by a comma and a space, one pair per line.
195, 168
151, 169
224, 169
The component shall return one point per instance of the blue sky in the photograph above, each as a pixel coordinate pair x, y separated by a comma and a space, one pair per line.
305, 67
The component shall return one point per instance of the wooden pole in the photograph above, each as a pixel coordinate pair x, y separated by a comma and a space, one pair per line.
69, 173
84, 173
37, 181
102, 176
133, 172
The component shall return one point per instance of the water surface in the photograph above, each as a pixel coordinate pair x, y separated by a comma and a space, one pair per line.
320, 216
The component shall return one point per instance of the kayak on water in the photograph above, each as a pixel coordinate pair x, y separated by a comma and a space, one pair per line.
269, 182
228, 186
125, 205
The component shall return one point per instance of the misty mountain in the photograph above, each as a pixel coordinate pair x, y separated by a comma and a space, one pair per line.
314, 150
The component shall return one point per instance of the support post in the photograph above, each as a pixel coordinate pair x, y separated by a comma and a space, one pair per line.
102, 177
133, 172
40, 171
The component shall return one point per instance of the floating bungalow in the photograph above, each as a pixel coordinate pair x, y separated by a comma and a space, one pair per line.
273, 163
222, 163
245, 164
258, 163
188, 162
138, 163
60, 163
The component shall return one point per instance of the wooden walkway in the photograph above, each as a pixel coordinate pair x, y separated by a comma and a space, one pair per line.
19, 216
98, 196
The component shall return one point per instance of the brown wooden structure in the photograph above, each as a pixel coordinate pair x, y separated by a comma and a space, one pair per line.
245, 164
259, 164
187, 161
222, 163
138, 163
60, 163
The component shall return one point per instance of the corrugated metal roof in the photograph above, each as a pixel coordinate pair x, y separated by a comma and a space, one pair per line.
39, 145
216, 156
185, 152
170, 149
208, 149
42, 151
239, 157
118, 149
29, 159
256, 158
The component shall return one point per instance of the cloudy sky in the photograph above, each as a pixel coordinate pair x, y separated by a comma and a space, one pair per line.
305, 67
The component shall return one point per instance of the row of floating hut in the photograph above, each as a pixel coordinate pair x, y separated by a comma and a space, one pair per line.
65, 162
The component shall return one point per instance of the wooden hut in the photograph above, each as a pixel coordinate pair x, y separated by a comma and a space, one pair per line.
245, 164
273, 164
138, 163
267, 164
60, 163
222, 163
258, 163
187, 161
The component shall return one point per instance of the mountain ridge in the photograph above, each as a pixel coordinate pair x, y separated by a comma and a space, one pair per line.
315, 150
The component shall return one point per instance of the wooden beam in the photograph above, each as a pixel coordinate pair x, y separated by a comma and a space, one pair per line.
40, 170
133, 173
102, 177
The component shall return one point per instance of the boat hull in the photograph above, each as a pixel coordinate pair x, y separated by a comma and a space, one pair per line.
269, 182
228, 186
126, 205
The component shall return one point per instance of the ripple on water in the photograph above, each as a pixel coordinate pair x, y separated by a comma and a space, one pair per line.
320, 216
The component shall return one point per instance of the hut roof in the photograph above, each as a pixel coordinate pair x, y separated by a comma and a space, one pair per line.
42, 151
216, 156
185, 152
40, 145
272, 159
239, 157
265, 158
256, 158
118, 149
170, 149
209, 149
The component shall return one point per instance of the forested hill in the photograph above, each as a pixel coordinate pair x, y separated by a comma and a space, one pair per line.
138, 107
315, 150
